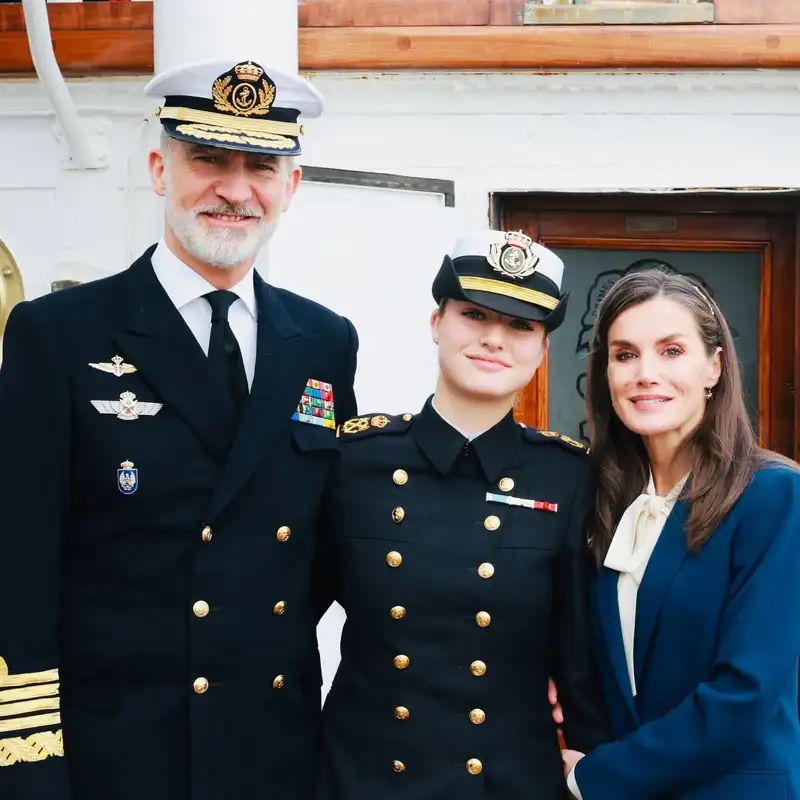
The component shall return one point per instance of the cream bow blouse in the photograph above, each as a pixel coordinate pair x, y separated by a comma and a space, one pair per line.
629, 553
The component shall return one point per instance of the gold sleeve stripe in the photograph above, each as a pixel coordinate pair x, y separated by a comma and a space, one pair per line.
28, 677
29, 693
37, 747
29, 707
26, 723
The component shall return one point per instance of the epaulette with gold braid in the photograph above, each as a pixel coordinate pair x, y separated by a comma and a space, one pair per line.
371, 424
568, 443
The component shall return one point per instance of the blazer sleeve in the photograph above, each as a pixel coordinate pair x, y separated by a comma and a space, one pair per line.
323, 570
34, 497
573, 666
716, 725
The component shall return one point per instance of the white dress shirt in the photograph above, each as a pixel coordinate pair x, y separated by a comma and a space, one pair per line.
186, 288
629, 554
469, 436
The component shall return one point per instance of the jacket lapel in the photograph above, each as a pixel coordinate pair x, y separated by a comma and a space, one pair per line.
669, 554
164, 350
608, 607
284, 363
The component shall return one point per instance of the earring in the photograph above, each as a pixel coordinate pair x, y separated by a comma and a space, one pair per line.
436, 340
709, 394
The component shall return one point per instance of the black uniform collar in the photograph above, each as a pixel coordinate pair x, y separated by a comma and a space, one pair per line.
442, 443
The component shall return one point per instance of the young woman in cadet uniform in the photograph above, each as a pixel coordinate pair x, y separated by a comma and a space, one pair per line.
456, 539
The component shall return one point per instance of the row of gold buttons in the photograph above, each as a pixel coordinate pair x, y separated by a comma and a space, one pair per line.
201, 685
283, 534
478, 668
474, 766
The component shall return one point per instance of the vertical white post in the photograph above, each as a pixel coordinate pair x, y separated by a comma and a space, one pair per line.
264, 31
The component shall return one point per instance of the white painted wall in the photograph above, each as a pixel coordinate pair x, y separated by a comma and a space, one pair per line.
372, 254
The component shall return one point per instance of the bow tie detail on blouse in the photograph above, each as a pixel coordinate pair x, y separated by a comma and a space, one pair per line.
638, 531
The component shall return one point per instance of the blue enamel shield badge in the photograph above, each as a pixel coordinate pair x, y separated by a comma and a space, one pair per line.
127, 478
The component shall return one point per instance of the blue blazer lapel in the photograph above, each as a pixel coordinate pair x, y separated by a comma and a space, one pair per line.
608, 607
669, 554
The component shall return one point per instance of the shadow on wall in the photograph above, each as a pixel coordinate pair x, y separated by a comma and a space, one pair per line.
11, 289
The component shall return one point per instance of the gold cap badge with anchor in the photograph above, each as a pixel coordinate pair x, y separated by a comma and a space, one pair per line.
514, 258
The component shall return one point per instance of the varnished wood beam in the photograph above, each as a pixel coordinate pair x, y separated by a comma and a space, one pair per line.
117, 38
391, 13
552, 47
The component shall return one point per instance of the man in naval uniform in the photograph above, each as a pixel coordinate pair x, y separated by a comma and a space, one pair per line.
456, 540
170, 430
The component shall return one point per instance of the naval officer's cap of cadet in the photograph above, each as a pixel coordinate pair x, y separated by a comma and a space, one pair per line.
504, 272
237, 106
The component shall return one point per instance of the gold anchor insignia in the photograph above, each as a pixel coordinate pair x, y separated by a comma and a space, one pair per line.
244, 91
514, 259
116, 367
355, 425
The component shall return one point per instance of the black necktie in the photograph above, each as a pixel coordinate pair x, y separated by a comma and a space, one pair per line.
223, 349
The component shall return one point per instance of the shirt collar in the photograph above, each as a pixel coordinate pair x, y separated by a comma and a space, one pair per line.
183, 285
442, 443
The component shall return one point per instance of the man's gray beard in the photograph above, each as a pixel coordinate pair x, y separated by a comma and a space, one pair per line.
220, 248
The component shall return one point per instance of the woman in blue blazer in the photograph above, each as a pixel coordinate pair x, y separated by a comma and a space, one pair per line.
696, 606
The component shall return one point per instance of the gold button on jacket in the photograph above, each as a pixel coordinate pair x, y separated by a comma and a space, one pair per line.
477, 716
400, 477
394, 559
491, 523
200, 685
283, 534
201, 608
506, 484
474, 766
401, 662
478, 668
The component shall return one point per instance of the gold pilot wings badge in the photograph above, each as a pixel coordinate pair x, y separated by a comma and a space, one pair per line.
116, 367
127, 407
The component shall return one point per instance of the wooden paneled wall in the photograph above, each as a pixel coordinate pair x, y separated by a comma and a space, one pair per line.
117, 38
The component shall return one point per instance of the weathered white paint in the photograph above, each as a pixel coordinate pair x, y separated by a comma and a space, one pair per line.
372, 254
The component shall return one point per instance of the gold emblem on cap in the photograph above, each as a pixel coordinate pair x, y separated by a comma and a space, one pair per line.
244, 91
513, 259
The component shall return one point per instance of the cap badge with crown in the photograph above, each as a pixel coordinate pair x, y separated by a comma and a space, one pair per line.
514, 258
244, 91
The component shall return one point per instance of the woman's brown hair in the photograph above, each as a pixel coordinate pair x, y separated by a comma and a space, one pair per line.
724, 449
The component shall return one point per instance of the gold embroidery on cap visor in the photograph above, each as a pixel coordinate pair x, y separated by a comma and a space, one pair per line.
224, 122
514, 292
229, 136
